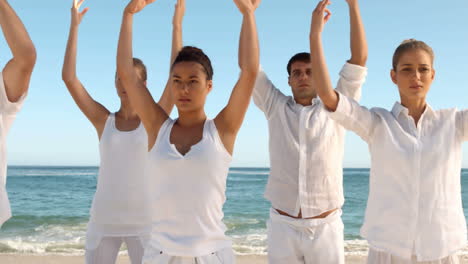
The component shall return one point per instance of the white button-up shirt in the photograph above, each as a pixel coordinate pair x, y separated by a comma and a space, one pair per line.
306, 147
8, 112
414, 206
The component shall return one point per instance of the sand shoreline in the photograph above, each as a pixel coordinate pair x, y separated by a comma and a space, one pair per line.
57, 259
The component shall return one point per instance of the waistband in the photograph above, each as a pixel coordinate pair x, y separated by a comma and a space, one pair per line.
305, 225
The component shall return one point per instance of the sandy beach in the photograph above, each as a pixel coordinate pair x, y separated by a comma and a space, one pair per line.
55, 259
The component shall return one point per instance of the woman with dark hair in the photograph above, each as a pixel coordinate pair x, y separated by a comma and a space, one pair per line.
414, 212
189, 157
121, 209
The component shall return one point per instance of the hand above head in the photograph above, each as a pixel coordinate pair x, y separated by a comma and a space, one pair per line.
77, 16
179, 12
320, 16
136, 6
247, 6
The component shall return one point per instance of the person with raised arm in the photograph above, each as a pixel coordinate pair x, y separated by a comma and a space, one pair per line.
121, 209
305, 186
189, 157
414, 212
14, 83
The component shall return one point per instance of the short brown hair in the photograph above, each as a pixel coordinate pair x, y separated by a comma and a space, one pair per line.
411, 44
302, 57
137, 63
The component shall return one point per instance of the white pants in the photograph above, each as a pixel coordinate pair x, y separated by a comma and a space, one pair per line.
381, 257
310, 241
223, 256
106, 249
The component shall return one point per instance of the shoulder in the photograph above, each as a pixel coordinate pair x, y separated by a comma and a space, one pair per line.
446, 114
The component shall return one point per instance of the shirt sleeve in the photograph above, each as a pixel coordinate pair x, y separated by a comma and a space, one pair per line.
355, 117
462, 124
352, 77
7, 107
265, 95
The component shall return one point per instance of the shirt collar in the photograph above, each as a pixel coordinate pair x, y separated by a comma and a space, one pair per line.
399, 109
314, 102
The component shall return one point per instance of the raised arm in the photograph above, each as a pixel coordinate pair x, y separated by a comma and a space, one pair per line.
94, 111
177, 43
150, 113
320, 73
353, 74
229, 120
358, 35
17, 72
345, 110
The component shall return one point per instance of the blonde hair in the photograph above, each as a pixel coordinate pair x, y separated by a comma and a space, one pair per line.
408, 45
137, 63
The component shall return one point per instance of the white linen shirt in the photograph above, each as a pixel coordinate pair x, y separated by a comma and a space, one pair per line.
414, 206
306, 147
8, 112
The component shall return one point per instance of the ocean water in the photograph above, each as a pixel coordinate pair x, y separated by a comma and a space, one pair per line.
51, 209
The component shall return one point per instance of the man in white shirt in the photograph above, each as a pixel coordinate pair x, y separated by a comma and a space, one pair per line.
306, 152
14, 83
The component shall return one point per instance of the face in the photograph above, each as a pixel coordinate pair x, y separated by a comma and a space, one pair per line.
300, 80
189, 86
414, 74
120, 89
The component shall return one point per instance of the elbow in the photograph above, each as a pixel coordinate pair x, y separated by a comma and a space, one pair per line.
330, 100
360, 59
67, 78
251, 75
28, 58
252, 70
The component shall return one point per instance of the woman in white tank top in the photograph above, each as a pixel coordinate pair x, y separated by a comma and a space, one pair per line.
14, 85
121, 206
189, 157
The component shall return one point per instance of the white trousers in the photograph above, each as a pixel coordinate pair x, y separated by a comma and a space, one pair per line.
381, 257
305, 241
155, 256
105, 250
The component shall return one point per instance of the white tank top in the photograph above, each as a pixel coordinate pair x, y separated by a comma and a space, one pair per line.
189, 193
123, 194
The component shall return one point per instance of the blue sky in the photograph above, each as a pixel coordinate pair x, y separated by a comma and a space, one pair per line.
50, 130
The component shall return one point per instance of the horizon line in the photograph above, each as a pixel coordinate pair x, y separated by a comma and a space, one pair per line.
232, 167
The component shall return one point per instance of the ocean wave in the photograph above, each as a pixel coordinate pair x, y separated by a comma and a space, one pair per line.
249, 244
21, 246
241, 221
47, 239
356, 247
